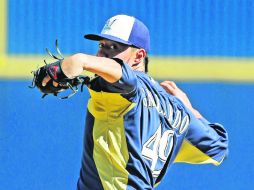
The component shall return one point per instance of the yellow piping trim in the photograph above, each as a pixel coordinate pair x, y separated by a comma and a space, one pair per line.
110, 148
192, 155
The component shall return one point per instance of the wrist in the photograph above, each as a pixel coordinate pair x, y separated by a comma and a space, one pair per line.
72, 66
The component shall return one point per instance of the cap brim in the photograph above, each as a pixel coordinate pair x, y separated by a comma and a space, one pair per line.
98, 37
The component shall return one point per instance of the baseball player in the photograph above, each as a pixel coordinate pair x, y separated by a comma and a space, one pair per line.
135, 128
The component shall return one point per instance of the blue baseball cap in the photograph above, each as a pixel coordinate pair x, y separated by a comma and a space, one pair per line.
126, 30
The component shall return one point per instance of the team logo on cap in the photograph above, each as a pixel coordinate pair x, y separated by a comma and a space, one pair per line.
108, 24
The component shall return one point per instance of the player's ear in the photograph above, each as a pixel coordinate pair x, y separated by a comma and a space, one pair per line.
140, 55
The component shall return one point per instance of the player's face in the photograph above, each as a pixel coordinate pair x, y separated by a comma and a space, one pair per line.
109, 49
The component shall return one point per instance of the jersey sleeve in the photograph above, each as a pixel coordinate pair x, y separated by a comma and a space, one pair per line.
127, 84
204, 143
128, 81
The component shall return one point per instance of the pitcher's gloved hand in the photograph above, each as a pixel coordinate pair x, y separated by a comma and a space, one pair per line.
57, 80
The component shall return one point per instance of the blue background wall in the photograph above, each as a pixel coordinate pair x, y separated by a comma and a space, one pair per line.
177, 27
41, 140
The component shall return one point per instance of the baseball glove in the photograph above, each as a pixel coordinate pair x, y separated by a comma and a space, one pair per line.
54, 71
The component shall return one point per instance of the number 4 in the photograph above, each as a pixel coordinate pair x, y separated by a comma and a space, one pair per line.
158, 146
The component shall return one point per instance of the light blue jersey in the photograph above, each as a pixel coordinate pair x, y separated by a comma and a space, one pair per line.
135, 130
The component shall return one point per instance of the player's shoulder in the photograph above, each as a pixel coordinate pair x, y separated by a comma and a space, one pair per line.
145, 80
